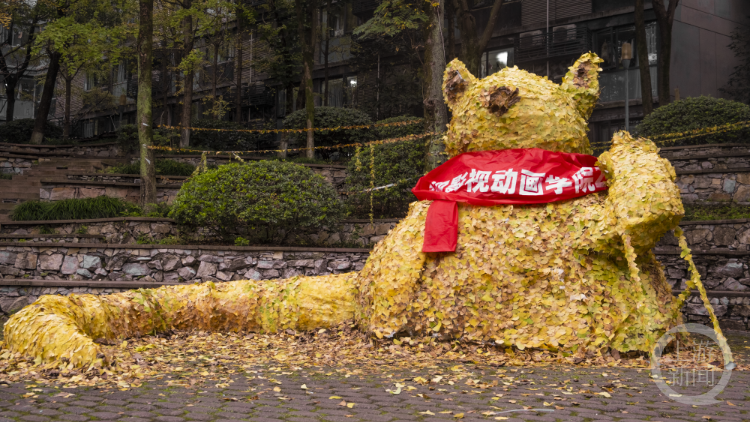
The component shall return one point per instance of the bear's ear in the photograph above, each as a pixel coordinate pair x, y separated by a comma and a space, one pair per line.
582, 83
456, 80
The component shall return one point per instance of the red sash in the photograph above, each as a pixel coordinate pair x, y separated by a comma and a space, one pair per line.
509, 176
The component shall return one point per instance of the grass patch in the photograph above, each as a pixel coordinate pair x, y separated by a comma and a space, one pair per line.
163, 167
6, 176
715, 212
73, 209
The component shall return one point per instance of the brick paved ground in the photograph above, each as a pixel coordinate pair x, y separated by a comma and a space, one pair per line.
637, 398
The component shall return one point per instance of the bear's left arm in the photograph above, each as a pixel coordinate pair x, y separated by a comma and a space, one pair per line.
642, 198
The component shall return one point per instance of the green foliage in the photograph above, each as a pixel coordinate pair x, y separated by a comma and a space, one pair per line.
386, 132
173, 240
696, 113
83, 230
392, 17
164, 167
331, 117
159, 210
401, 164
19, 131
716, 212
225, 141
127, 137
241, 241
264, 201
72, 209
6, 176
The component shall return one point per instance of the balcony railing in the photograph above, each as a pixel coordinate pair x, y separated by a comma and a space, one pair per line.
564, 42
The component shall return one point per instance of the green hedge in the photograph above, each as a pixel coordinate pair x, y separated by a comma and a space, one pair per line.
696, 113
401, 163
19, 131
73, 209
331, 117
263, 201
163, 167
225, 141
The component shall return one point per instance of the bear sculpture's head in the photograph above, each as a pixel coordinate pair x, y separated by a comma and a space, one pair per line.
517, 109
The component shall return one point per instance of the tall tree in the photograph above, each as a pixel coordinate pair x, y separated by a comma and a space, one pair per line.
665, 19
473, 45
643, 65
307, 13
144, 46
738, 87
436, 112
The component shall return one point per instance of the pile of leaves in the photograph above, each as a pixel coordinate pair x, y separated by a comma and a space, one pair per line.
203, 358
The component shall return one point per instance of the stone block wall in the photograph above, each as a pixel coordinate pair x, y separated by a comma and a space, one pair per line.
731, 235
58, 192
9, 165
125, 178
103, 150
150, 263
131, 230
715, 187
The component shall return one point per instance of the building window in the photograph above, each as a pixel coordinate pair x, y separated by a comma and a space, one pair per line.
614, 44
89, 81
495, 61
335, 93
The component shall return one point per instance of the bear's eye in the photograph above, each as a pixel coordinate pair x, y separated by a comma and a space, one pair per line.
499, 99
454, 85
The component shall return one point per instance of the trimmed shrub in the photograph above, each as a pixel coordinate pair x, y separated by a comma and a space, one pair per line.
19, 131
73, 209
331, 117
163, 167
226, 141
263, 201
401, 164
696, 113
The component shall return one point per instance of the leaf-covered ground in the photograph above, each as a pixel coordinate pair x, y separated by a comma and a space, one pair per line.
190, 358
338, 376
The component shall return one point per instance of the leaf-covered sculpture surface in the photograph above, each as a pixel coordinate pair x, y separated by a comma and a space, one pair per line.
575, 275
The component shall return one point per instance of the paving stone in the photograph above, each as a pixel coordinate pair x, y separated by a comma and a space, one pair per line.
74, 417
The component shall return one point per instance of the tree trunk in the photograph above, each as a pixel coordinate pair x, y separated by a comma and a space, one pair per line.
143, 118
215, 78
643, 65
289, 103
665, 19
238, 74
450, 13
307, 38
187, 89
66, 123
472, 45
10, 92
48, 92
434, 66
327, 35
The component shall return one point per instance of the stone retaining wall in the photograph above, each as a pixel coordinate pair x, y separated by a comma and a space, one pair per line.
152, 263
715, 187
103, 150
126, 178
129, 230
9, 165
60, 191
682, 153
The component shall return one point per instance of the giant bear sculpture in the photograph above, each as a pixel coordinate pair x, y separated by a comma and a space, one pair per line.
575, 275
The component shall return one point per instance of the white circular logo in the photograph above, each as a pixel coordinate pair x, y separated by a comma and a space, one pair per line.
692, 377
